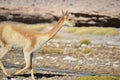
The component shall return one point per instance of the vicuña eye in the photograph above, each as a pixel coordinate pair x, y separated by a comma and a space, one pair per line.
69, 19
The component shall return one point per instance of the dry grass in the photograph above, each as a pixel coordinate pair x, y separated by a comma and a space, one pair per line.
86, 30
57, 37
107, 31
50, 50
38, 27
72, 29
93, 30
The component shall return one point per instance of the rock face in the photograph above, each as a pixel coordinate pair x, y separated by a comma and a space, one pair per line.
86, 12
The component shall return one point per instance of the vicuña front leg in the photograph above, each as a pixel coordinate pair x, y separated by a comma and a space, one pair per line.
28, 60
2, 53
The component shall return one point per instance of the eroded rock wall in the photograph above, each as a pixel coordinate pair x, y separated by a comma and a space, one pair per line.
86, 12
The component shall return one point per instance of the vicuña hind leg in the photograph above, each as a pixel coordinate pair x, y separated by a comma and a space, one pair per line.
2, 53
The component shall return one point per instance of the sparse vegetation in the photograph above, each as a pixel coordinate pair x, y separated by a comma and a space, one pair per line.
85, 41
50, 50
57, 37
71, 29
38, 27
107, 31
89, 57
87, 50
94, 30
98, 78
86, 30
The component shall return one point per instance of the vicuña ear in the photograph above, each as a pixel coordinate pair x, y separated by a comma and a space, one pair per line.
63, 13
66, 13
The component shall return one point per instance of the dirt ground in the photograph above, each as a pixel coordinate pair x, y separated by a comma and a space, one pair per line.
66, 53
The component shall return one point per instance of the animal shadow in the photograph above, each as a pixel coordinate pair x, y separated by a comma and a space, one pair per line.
38, 75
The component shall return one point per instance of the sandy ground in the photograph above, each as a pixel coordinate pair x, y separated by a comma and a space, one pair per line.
103, 59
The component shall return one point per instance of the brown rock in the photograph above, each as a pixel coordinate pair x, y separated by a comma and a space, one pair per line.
86, 12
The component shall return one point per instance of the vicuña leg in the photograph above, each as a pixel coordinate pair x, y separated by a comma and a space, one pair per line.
28, 60
2, 53
27, 57
32, 71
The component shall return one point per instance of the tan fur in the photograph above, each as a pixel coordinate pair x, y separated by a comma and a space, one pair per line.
1, 36
28, 34
29, 40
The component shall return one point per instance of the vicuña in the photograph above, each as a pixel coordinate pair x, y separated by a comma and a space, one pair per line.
28, 39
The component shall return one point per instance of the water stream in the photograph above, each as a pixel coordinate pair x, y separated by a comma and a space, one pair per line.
58, 71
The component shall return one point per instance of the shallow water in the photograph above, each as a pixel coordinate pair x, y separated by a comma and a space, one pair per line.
58, 71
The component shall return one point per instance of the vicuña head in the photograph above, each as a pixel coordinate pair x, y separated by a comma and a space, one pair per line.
29, 40
65, 19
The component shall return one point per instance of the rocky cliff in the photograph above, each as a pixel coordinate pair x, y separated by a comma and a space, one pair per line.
86, 12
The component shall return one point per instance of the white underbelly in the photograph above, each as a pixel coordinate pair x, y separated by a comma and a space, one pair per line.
40, 45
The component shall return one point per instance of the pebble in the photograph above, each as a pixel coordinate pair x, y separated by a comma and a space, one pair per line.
40, 57
17, 63
69, 58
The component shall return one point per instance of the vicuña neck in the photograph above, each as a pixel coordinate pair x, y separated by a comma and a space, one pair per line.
57, 27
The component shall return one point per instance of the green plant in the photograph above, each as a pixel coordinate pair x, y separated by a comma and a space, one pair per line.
85, 41
87, 50
98, 78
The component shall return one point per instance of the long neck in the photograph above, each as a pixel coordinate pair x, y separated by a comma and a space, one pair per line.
57, 27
